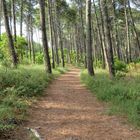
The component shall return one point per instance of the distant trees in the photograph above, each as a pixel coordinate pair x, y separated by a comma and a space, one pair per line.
90, 33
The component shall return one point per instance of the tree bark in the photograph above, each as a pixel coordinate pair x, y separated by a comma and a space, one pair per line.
21, 17
10, 38
134, 27
108, 38
89, 38
51, 31
127, 33
44, 36
100, 38
14, 20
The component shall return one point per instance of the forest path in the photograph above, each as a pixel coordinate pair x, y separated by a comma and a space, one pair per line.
68, 111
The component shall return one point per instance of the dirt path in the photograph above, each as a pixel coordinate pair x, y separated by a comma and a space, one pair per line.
68, 111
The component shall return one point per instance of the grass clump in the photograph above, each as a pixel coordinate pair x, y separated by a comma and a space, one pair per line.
17, 88
122, 93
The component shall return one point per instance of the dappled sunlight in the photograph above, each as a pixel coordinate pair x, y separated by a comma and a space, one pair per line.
63, 105
69, 111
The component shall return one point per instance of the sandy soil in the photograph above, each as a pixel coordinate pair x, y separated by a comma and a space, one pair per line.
69, 111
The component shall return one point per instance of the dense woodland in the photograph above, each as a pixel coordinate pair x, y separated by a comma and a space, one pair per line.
78, 32
92, 34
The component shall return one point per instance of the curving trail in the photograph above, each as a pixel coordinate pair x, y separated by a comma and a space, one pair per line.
68, 111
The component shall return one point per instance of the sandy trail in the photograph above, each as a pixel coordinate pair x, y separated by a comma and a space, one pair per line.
68, 111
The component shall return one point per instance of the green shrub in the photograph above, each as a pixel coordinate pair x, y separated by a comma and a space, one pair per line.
17, 87
25, 61
98, 64
120, 74
120, 66
39, 58
6, 63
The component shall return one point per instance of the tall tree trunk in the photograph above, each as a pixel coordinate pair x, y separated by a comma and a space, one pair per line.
134, 27
10, 16
14, 19
127, 33
103, 33
108, 38
55, 31
32, 45
116, 37
89, 38
51, 31
100, 38
10, 38
77, 45
28, 38
60, 34
61, 46
83, 32
44, 36
0, 19
21, 17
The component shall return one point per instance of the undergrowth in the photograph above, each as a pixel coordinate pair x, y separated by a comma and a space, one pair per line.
18, 87
122, 93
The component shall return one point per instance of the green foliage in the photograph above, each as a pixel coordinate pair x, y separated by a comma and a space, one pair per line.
39, 58
120, 66
20, 45
4, 52
6, 63
25, 61
17, 87
123, 94
73, 57
98, 64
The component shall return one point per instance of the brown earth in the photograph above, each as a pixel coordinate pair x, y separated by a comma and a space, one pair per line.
69, 111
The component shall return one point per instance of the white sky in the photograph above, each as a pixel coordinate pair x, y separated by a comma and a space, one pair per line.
37, 33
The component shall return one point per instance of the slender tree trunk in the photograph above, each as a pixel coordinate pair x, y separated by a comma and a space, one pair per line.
60, 34
100, 38
21, 17
10, 38
103, 33
127, 34
10, 16
56, 43
0, 18
32, 45
28, 38
89, 38
44, 36
83, 32
77, 44
14, 20
134, 27
55, 31
51, 31
61, 47
116, 37
108, 38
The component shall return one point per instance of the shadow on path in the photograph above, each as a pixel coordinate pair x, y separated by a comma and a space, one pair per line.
70, 112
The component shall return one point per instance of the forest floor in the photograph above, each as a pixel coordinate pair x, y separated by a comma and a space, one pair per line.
68, 111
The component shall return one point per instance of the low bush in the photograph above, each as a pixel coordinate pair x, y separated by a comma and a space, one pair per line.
120, 66
17, 88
